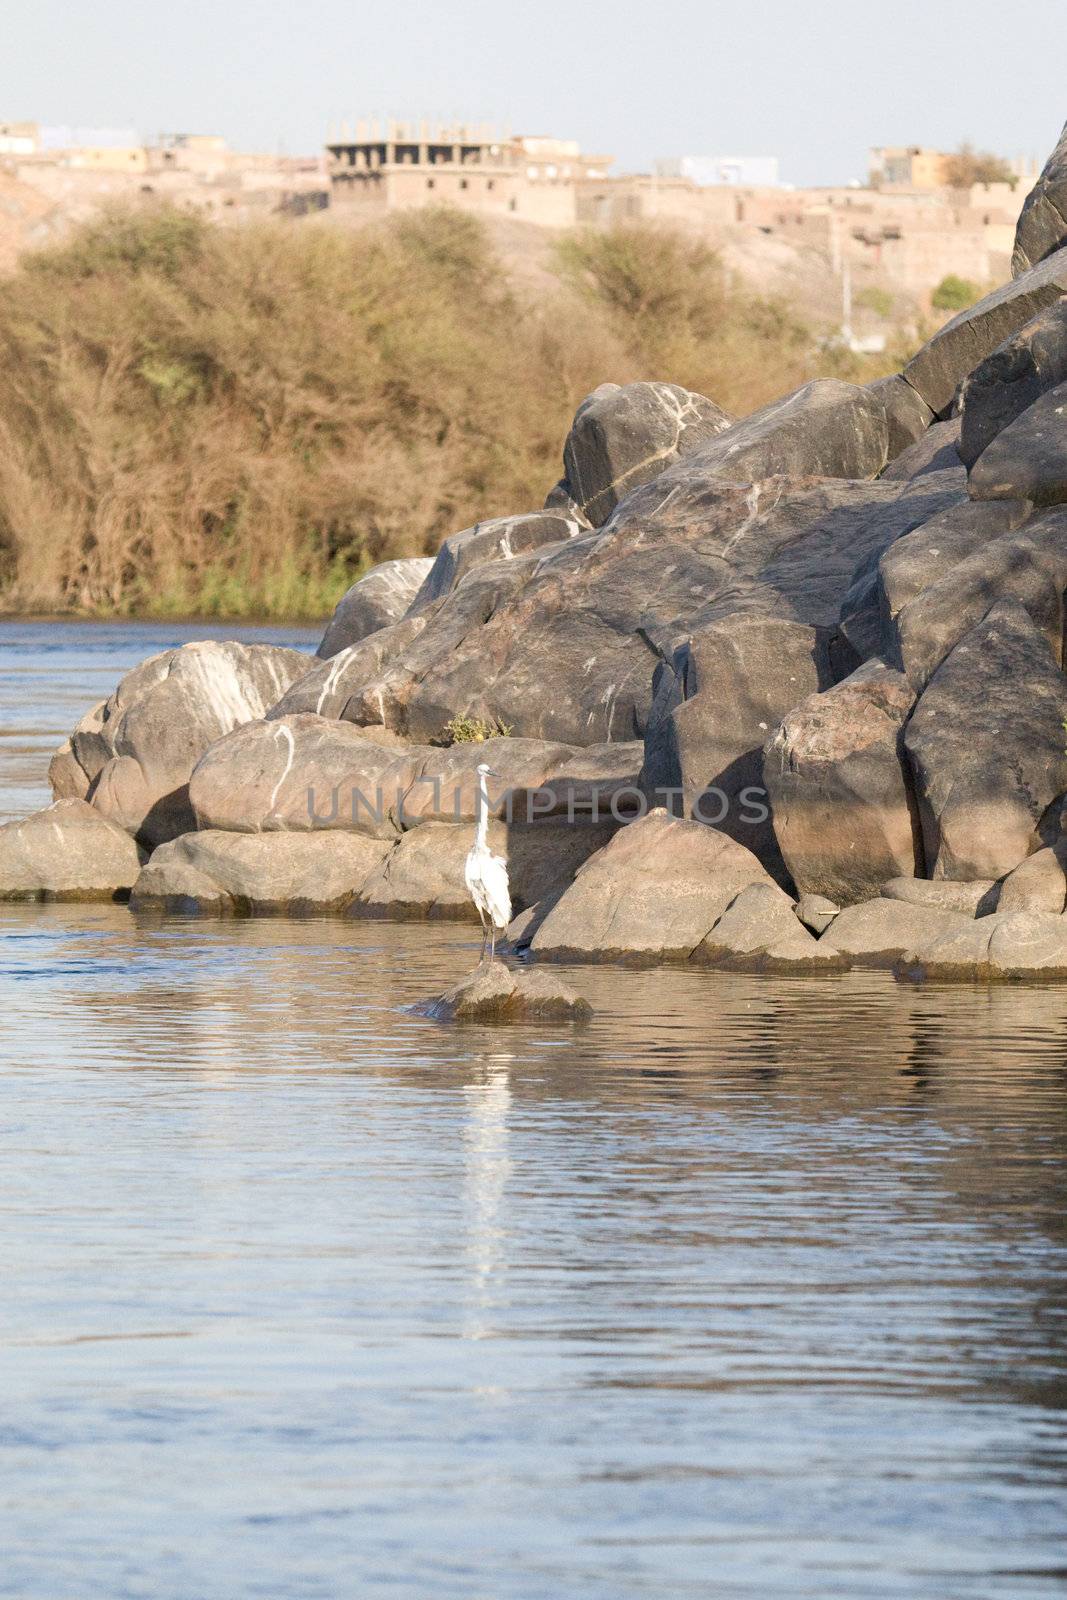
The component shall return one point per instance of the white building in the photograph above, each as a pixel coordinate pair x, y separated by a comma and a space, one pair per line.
742, 172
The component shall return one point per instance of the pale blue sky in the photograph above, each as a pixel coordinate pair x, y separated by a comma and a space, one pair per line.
812, 81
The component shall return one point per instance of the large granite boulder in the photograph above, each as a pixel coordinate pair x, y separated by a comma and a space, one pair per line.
498, 539
957, 348
1042, 225
986, 745
1008, 382
1028, 459
302, 774
1036, 884
878, 932
139, 748
67, 852
232, 873
1028, 566
378, 599
918, 560
974, 899
653, 893
1007, 947
839, 789
624, 436
826, 429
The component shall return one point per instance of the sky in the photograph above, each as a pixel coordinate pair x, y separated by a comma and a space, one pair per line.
814, 82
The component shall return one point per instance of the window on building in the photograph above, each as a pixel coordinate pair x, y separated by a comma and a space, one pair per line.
490, 183
464, 183
430, 182
513, 205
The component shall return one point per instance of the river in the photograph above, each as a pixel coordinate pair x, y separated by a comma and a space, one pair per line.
752, 1288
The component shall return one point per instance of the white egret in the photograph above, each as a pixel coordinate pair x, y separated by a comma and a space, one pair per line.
485, 874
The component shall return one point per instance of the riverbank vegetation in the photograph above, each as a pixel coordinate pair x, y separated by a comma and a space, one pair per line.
236, 421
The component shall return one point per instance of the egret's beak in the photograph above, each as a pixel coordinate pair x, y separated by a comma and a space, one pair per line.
491, 774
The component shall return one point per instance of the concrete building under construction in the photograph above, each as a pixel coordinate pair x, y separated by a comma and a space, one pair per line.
396, 166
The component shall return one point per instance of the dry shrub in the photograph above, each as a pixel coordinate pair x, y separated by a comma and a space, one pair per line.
237, 421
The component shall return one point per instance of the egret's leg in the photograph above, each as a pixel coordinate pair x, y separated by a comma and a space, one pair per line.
485, 936
492, 941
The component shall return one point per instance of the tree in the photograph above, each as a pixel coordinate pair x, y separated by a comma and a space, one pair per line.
968, 166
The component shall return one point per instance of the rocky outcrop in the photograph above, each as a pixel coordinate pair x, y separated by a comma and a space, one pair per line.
840, 796
956, 349
1042, 225
245, 873
493, 994
67, 852
986, 745
936, 451
375, 601
624, 436
139, 748
1036, 884
1028, 458
654, 893
1007, 382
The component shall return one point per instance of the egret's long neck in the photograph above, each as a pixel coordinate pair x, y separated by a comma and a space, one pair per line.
481, 813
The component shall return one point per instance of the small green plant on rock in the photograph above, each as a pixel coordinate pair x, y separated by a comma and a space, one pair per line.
475, 730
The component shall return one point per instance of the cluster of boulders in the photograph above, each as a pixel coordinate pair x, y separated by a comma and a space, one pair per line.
784, 693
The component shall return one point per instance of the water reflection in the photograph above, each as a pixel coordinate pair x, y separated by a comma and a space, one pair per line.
752, 1287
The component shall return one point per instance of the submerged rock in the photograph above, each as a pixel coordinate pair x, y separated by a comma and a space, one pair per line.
67, 852
494, 993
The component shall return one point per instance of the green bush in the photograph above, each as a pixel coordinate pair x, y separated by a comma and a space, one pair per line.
954, 294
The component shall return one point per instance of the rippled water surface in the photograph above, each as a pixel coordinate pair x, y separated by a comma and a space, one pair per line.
751, 1288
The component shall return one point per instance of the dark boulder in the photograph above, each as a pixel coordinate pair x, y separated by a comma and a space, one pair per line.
920, 559
378, 599
1042, 225
936, 451
1008, 382
839, 789
986, 745
1028, 566
1028, 459
957, 348
622, 437
827, 429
